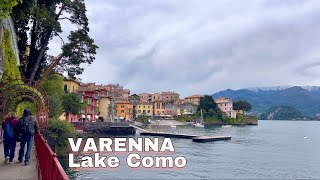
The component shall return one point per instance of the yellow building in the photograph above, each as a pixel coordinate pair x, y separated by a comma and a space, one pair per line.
104, 107
70, 86
124, 110
144, 109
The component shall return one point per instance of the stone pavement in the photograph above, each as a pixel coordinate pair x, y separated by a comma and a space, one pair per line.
17, 170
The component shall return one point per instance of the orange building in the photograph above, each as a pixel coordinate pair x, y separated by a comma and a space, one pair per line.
156, 97
170, 96
158, 108
195, 99
124, 110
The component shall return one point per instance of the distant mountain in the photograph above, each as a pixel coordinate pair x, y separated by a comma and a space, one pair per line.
282, 113
306, 98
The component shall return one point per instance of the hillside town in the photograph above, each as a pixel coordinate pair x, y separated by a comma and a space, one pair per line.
113, 102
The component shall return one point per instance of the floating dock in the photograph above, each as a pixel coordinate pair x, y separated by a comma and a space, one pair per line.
194, 138
204, 139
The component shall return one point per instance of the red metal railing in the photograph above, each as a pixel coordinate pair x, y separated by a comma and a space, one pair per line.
48, 165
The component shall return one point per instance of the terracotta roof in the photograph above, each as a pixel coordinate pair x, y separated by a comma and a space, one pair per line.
65, 79
194, 96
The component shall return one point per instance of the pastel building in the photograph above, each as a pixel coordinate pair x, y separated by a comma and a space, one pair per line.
226, 106
124, 110
195, 99
144, 108
90, 97
170, 109
145, 97
158, 108
186, 108
167, 96
156, 97
104, 108
70, 85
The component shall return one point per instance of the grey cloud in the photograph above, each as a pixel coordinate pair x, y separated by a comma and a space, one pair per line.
204, 46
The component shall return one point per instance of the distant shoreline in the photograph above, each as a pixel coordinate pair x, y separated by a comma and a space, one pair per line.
286, 120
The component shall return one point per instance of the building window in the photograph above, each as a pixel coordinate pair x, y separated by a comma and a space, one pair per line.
144, 106
65, 88
122, 111
89, 101
149, 111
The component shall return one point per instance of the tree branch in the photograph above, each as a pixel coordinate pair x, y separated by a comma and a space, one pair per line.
64, 18
50, 68
43, 48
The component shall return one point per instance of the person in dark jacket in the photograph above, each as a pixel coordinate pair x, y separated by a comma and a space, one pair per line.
9, 136
28, 127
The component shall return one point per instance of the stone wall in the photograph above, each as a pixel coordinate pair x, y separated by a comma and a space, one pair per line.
108, 128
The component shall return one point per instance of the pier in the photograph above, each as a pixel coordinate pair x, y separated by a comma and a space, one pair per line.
194, 138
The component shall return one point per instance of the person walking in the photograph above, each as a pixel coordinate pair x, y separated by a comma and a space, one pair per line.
9, 136
28, 127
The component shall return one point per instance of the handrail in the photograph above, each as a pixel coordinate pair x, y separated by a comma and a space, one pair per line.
48, 165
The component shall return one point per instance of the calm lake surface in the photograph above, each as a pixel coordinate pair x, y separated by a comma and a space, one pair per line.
271, 150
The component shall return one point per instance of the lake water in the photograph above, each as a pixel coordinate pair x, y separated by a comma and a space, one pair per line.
271, 150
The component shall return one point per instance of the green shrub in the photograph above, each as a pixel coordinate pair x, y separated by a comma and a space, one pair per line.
25, 104
187, 118
57, 135
6, 7
143, 118
11, 70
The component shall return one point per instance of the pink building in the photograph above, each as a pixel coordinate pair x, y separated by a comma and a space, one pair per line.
225, 105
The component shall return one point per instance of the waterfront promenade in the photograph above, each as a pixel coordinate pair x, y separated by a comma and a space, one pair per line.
18, 170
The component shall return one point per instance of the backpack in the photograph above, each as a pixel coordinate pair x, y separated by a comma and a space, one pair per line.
9, 131
26, 126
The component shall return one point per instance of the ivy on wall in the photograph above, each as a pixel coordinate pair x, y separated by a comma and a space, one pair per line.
6, 6
11, 70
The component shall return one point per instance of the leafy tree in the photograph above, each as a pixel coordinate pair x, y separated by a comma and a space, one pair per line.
38, 22
54, 86
11, 71
207, 103
58, 133
134, 96
71, 103
209, 107
55, 107
242, 105
6, 7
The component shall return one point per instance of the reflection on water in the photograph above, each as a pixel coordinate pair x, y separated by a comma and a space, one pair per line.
272, 150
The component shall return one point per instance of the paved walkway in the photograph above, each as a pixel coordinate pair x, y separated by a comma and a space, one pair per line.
17, 170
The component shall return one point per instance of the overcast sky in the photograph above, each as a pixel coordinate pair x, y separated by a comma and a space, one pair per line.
203, 46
